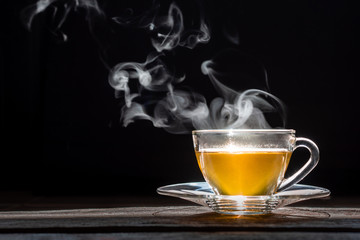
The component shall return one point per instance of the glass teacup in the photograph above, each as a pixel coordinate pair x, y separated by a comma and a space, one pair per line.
250, 162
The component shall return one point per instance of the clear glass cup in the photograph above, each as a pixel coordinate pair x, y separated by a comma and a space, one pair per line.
250, 162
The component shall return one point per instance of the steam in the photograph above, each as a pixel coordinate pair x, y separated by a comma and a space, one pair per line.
150, 91
239, 109
167, 32
179, 111
60, 10
170, 32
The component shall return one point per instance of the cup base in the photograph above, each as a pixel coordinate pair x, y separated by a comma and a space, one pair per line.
242, 205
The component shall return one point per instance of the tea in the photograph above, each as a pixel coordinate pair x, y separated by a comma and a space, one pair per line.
244, 172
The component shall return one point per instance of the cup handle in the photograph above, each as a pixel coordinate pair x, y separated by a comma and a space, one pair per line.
307, 168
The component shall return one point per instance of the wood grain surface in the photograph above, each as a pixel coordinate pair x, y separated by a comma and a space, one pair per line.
179, 218
168, 218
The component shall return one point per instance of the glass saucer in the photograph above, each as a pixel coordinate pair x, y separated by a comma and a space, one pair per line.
201, 193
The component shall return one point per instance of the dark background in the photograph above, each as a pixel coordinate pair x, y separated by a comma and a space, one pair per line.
60, 122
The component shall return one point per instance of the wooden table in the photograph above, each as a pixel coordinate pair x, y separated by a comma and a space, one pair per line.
158, 217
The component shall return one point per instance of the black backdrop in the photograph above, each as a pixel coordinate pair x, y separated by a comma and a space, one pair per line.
60, 122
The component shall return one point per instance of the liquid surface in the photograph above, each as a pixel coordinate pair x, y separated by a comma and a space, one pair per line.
244, 173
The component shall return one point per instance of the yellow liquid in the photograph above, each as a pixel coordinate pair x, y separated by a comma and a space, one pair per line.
244, 173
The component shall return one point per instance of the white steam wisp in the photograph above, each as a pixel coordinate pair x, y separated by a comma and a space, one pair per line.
149, 89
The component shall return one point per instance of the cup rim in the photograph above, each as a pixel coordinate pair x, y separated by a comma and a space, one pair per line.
273, 131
